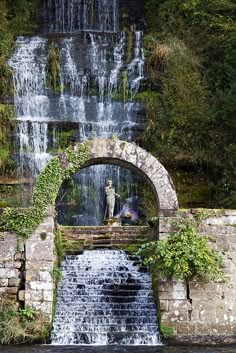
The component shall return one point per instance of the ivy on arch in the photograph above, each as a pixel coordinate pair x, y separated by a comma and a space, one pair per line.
24, 221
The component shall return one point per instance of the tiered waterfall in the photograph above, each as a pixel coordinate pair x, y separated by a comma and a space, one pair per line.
105, 298
96, 72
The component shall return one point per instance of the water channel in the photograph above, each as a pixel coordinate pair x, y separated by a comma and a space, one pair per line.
115, 349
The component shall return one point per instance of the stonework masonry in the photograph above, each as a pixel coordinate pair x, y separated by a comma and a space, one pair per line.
201, 311
26, 276
12, 262
198, 311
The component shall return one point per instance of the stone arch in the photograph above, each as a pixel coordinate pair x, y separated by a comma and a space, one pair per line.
131, 156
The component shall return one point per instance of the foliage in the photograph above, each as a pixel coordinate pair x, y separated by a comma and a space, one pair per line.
178, 112
59, 247
53, 67
190, 48
23, 325
24, 221
77, 157
7, 124
17, 17
166, 331
57, 274
27, 313
183, 255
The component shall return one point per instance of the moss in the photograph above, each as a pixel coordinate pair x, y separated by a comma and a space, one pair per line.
53, 67
62, 138
129, 48
7, 125
124, 85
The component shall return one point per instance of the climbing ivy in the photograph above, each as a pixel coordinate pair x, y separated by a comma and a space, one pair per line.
23, 222
77, 156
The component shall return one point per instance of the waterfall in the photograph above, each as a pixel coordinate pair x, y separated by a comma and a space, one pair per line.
105, 298
71, 16
96, 89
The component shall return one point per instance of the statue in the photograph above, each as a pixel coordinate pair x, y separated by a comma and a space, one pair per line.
110, 199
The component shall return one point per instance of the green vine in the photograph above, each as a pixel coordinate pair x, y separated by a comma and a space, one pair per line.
77, 156
23, 222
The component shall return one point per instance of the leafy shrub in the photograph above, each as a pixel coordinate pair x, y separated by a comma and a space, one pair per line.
183, 255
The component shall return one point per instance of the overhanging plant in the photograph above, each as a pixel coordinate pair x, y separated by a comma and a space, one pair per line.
24, 221
184, 255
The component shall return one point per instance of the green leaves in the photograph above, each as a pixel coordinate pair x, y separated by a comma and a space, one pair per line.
23, 222
183, 255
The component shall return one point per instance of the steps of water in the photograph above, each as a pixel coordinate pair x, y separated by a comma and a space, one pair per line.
103, 298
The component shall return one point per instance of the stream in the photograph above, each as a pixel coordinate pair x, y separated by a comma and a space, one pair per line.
115, 349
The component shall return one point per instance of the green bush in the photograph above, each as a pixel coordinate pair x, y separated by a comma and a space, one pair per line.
184, 255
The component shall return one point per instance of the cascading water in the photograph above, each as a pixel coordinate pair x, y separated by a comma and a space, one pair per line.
105, 298
96, 86
71, 16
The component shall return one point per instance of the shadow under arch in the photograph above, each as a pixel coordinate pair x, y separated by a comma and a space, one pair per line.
130, 156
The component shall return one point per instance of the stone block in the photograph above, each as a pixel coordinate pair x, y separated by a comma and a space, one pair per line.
35, 295
175, 316
8, 246
221, 221
38, 286
39, 250
166, 224
3, 290
3, 282
45, 307
45, 276
12, 290
21, 295
15, 264
164, 305
48, 296
181, 305
14, 282
39, 265
8, 273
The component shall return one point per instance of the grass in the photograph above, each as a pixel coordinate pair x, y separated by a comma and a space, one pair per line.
22, 325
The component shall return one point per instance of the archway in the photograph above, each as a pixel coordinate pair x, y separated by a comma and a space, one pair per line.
130, 156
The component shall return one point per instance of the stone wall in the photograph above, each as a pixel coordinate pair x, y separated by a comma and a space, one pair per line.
39, 256
26, 275
202, 311
12, 264
197, 311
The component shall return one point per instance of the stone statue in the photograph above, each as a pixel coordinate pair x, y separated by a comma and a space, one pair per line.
110, 199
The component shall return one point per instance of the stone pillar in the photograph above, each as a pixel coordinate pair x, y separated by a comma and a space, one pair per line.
39, 253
